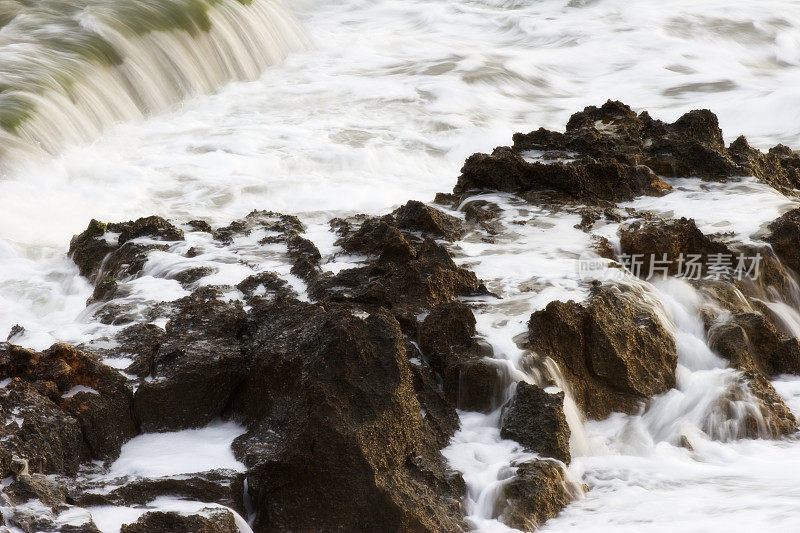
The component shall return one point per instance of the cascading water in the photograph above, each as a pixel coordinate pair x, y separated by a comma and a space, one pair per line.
67, 72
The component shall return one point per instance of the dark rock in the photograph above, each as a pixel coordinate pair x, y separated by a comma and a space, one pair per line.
447, 334
225, 487
94, 249
404, 276
751, 341
208, 520
614, 351
674, 240
477, 384
104, 412
270, 283
16, 331
39, 431
416, 216
536, 420
197, 367
470, 380
336, 438
258, 220
537, 493
589, 181
191, 275
784, 236
200, 225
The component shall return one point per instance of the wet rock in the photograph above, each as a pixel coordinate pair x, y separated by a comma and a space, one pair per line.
337, 436
49, 492
305, 254
447, 335
38, 430
610, 153
268, 221
439, 416
16, 331
84, 388
200, 225
614, 350
190, 276
477, 384
108, 246
537, 493
197, 367
670, 243
784, 236
207, 520
225, 487
447, 339
265, 285
412, 277
751, 341
590, 180
416, 216
536, 419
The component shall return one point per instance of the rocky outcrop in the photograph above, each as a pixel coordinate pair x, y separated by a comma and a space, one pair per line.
536, 419
408, 272
588, 180
784, 236
208, 520
671, 243
614, 350
86, 391
537, 492
197, 367
105, 252
336, 435
693, 145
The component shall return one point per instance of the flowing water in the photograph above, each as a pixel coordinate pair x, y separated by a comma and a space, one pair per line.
115, 109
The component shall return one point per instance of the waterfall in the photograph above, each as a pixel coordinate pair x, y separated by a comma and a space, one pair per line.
67, 72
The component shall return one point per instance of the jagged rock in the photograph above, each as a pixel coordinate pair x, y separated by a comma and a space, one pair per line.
614, 350
470, 380
784, 236
537, 492
439, 417
265, 285
751, 341
416, 216
412, 277
536, 420
108, 246
447, 335
200, 225
673, 239
611, 154
337, 438
197, 367
225, 487
36, 429
477, 384
258, 220
16, 331
84, 388
590, 180
36, 487
208, 520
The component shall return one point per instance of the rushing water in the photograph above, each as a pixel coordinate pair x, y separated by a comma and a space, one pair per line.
378, 101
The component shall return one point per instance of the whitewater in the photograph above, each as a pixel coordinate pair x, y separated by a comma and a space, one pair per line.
361, 105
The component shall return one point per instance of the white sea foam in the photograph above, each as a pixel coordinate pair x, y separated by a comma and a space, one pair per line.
179, 452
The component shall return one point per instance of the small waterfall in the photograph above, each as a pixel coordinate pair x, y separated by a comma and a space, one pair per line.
67, 72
